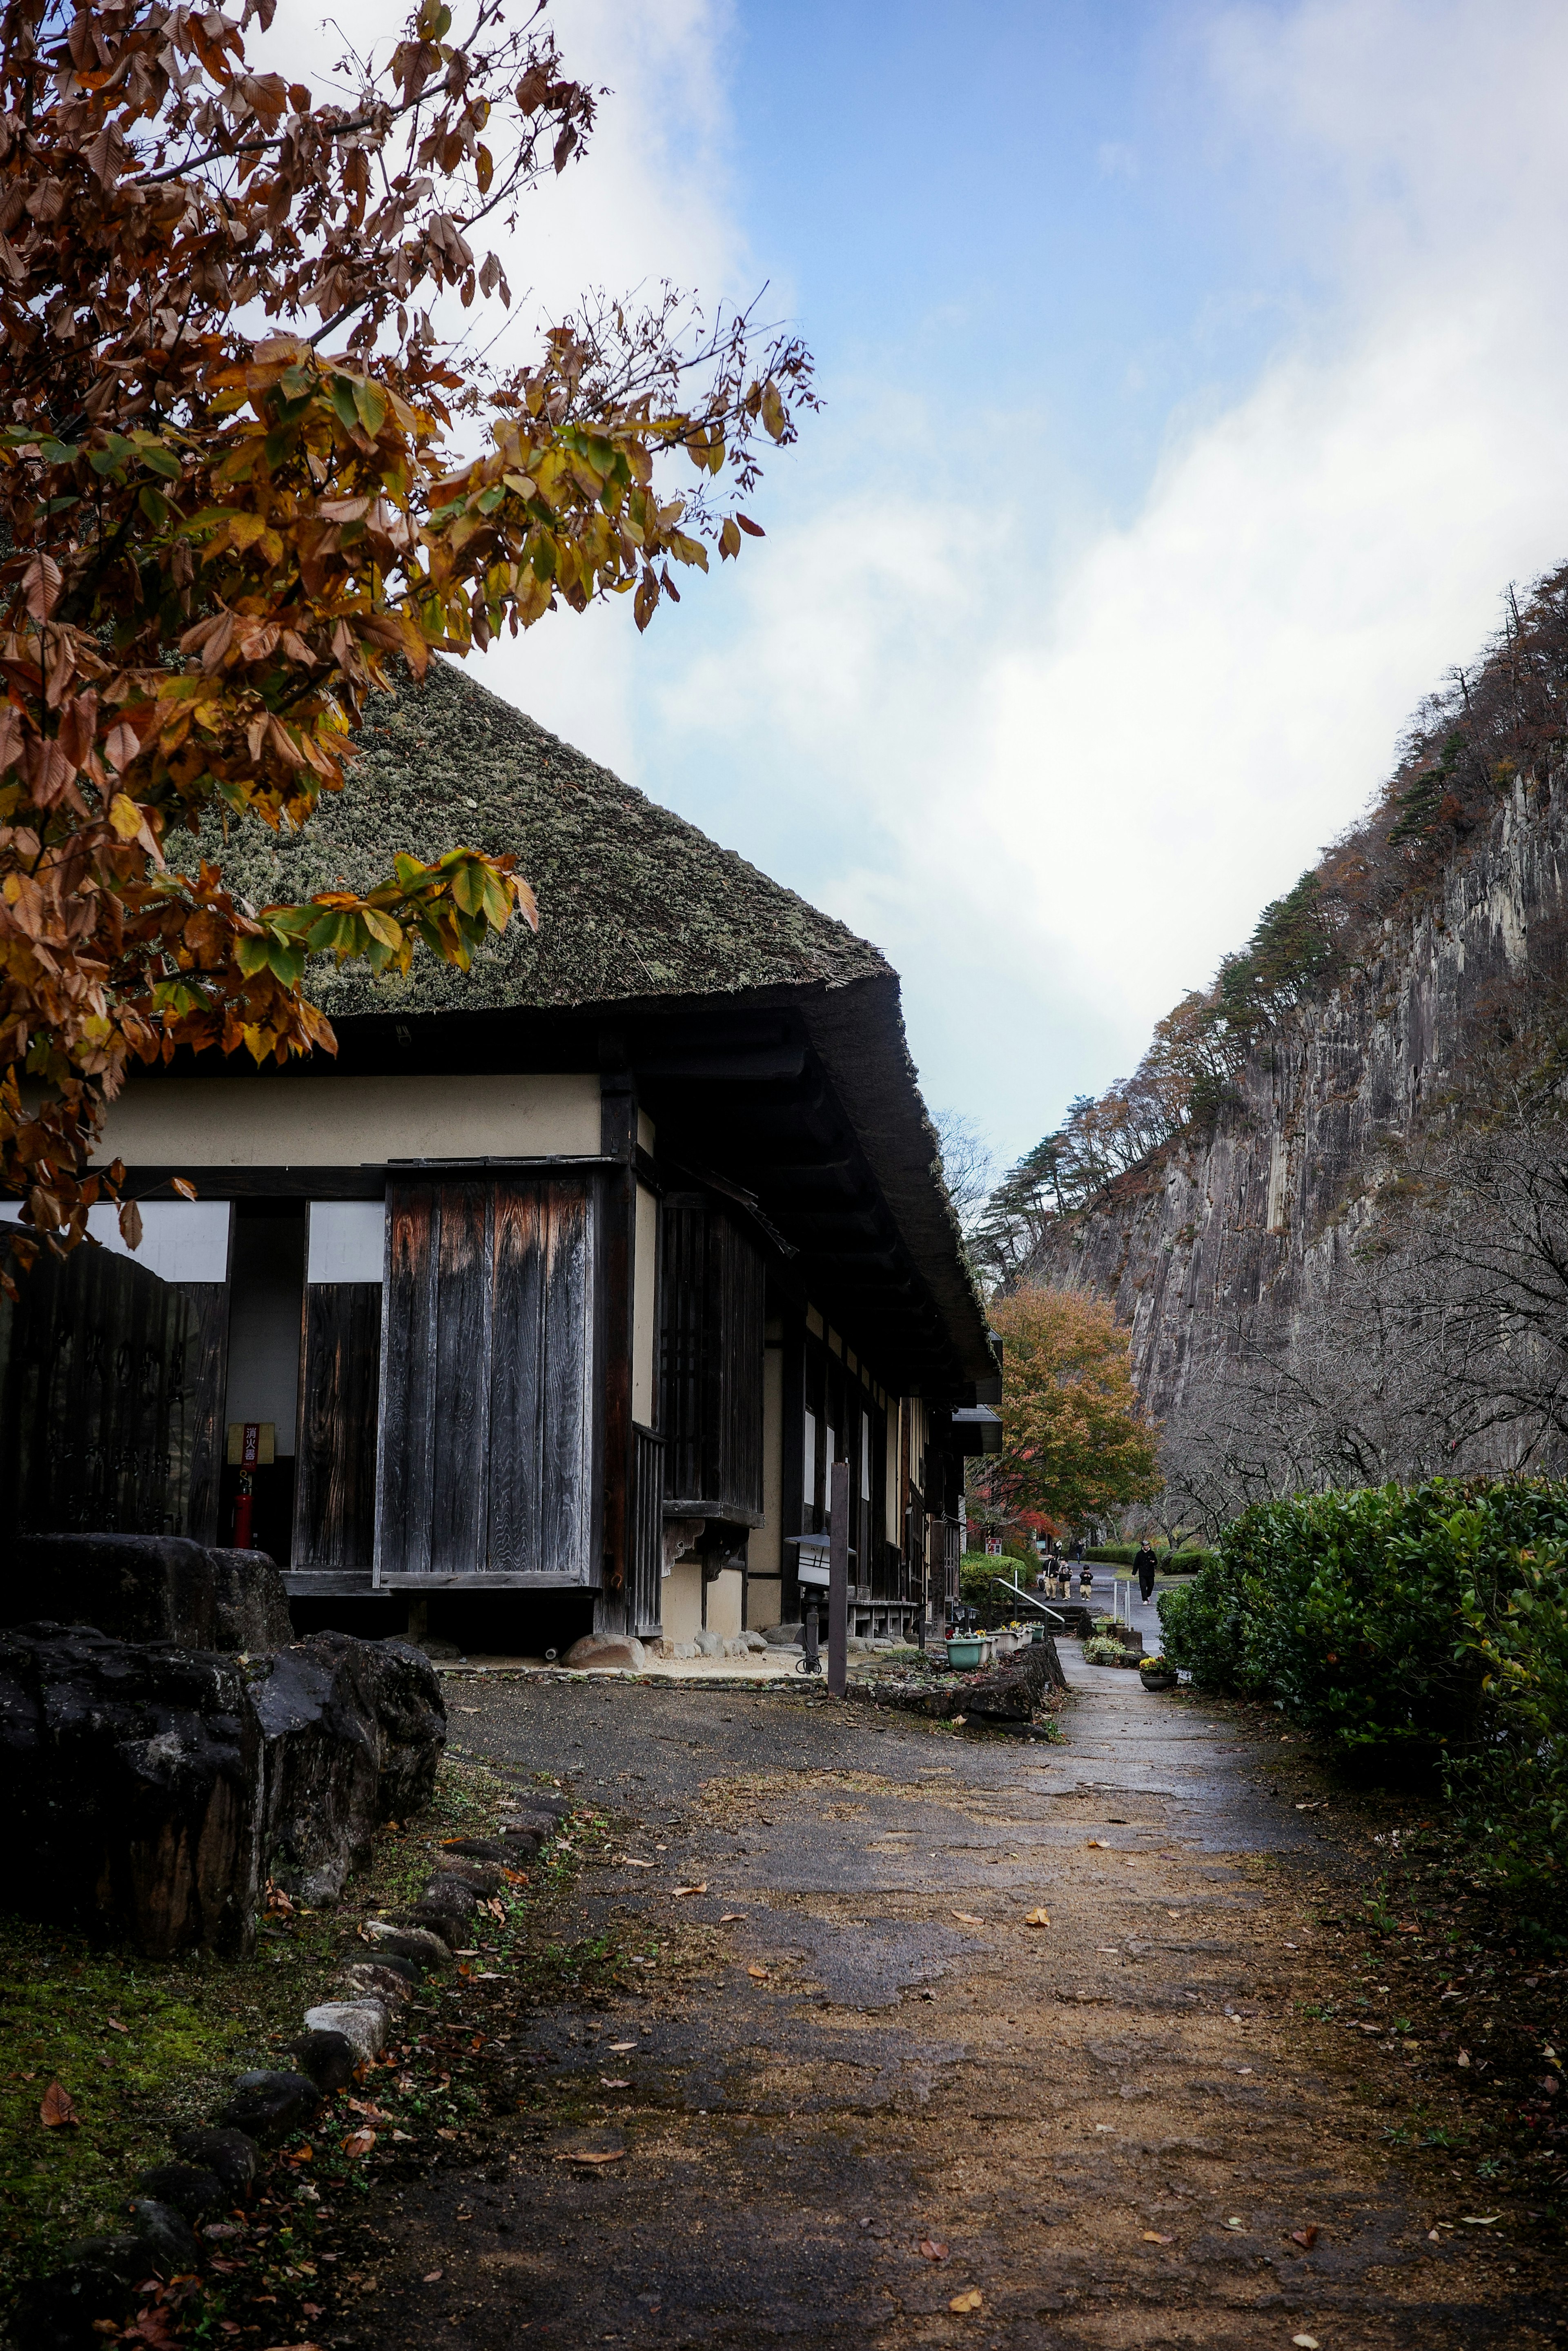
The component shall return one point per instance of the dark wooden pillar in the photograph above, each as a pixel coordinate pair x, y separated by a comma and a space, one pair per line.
618, 1237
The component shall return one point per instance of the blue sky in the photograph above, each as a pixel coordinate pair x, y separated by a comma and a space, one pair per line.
1192, 381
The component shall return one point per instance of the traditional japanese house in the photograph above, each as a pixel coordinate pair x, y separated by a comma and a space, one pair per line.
567, 1281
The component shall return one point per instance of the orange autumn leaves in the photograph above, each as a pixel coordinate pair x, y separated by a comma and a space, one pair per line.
1075, 1442
218, 542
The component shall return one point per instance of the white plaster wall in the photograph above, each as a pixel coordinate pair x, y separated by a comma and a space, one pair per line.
286, 1119
683, 1601
724, 1598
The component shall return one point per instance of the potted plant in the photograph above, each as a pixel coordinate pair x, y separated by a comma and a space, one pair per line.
965, 1652
1156, 1674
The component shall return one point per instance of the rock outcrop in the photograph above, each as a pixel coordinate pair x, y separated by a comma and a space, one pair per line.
131, 1782
147, 1588
1216, 1245
351, 1733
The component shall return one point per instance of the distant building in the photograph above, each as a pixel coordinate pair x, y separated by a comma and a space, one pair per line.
548, 1302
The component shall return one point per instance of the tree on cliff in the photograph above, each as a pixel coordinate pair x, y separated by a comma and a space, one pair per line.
1075, 1444
225, 505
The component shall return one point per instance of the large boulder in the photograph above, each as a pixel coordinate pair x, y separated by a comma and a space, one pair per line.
130, 1775
352, 1733
250, 1606
131, 1587
147, 1588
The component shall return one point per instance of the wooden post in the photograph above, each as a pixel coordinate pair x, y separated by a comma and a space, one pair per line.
837, 1578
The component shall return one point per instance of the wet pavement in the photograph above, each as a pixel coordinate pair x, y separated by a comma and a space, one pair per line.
1118, 2124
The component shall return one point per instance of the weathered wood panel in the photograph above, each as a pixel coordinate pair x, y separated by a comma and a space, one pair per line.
518, 1382
208, 1368
335, 1469
407, 1432
102, 1394
713, 1344
489, 1372
463, 1283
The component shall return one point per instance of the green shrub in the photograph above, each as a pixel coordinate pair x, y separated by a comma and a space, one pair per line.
1429, 1624
1185, 1562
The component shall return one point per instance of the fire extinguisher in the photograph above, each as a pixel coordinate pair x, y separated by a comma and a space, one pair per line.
250, 1453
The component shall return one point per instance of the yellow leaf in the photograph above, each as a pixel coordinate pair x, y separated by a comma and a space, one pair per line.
1036, 1918
125, 816
973, 2300
968, 1919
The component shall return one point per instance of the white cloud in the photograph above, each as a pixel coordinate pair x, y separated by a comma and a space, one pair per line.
1055, 769
1057, 785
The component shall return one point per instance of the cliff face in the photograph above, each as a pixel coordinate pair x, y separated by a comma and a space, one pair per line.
1211, 1245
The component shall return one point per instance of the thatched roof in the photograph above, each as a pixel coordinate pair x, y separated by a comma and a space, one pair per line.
633, 901
638, 910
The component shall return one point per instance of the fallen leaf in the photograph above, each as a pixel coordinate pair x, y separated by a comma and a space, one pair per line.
115, 2025
1308, 2237
968, 1919
358, 2142
973, 2300
613, 2084
619, 2046
433, 2277
679, 1890
1036, 1918
1480, 2219
1099, 1843
59, 2107
613, 2155
957, 1718
1234, 2223
405, 2137
732, 1917
1153, 2237
758, 1974
1305, 2342
934, 2249
445, 2134
630, 1861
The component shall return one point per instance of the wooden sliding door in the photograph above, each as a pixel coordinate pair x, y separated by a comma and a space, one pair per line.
489, 1421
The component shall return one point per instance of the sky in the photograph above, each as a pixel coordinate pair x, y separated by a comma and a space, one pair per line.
1191, 381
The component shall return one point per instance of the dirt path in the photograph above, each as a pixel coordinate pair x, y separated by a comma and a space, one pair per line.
1115, 2123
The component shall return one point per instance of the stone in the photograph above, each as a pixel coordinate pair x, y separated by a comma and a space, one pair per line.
269, 2106
783, 1636
250, 1604
607, 1649
708, 1644
233, 2155
415, 1943
477, 1849
684, 1650
363, 2023
129, 1782
329, 2060
484, 1876
445, 1908
168, 2237
127, 1587
352, 1733
191, 2189
364, 1979
92, 2282
755, 1643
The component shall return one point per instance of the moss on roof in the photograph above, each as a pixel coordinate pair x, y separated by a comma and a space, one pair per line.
633, 901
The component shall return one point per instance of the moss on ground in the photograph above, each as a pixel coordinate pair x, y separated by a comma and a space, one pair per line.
145, 2047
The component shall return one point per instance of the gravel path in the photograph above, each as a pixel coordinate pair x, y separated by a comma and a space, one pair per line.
1118, 2125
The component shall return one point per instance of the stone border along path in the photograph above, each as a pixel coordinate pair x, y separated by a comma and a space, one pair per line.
836, 2091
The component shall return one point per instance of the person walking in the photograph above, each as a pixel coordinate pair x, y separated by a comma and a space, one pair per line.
1145, 1564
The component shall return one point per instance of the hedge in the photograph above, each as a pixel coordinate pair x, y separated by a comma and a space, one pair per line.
1185, 1562
1423, 1626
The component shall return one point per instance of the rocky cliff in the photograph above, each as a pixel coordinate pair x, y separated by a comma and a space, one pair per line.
1217, 1243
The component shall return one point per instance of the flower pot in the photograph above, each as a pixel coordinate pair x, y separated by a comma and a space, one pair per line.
1157, 1678
964, 1653
1005, 1644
